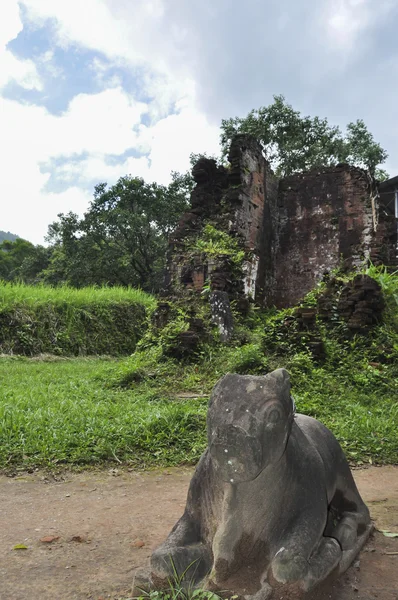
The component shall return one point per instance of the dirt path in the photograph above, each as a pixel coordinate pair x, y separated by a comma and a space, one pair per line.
107, 524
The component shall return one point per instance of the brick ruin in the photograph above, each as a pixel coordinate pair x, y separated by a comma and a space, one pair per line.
294, 231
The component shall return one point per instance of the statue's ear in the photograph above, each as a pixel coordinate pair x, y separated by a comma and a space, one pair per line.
280, 375
281, 379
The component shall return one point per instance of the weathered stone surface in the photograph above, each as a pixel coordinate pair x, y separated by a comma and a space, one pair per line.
252, 201
361, 303
222, 314
272, 503
326, 220
241, 202
187, 342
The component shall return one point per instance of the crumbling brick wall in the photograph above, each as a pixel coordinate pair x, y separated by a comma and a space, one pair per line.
252, 201
326, 220
293, 231
190, 273
241, 201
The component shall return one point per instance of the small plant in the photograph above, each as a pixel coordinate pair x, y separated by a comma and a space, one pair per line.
180, 587
218, 244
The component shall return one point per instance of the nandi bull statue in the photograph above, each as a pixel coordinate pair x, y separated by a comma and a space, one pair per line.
272, 504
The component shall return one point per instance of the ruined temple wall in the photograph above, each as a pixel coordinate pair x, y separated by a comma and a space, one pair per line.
294, 230
384, 250
253, 200
242, 201
326, 220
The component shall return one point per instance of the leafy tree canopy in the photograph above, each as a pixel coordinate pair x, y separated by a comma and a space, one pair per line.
293, 142
122, 239
21, 260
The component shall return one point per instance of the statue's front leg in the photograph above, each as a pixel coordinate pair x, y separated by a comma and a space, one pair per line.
183, 556
182, 559
263, 593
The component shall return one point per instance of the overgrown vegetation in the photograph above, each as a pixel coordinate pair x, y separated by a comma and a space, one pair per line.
214, 243
150, 409
68, 321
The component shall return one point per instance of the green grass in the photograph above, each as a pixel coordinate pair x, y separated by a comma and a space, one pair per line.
60, 412
12, 294
69, 412
67, 321
132, 410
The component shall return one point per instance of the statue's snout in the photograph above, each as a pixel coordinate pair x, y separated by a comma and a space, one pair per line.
237, 455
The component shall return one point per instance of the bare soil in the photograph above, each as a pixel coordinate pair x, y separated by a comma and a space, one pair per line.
105, 524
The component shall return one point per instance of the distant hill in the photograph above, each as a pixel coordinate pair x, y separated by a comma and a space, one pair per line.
6, 235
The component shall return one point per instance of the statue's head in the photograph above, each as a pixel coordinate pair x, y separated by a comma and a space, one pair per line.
248, 423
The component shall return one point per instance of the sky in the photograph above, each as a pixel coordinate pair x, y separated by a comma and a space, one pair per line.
92, 90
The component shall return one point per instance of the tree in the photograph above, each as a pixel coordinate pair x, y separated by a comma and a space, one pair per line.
122, 239
294, 143
21, 260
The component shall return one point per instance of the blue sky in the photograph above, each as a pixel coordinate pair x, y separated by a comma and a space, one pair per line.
93, 90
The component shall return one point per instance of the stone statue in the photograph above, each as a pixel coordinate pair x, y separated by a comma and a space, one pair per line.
272, 503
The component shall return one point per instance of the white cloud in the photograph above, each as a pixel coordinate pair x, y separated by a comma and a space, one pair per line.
97, 125
169, 143
22, 72
131, 35
346, 20
117, 29
107, 123
101, 123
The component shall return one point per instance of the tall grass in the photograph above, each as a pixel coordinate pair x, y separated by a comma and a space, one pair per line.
68, 321
12, 294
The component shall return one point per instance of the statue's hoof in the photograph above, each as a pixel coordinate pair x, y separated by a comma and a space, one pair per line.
263, 594
142, 583
346, 535
288, 567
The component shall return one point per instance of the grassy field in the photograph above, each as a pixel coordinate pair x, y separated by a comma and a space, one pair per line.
149, 409
68, 412
67, 321
61, 412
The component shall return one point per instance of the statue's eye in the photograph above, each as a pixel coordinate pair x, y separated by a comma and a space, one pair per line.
274, 416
